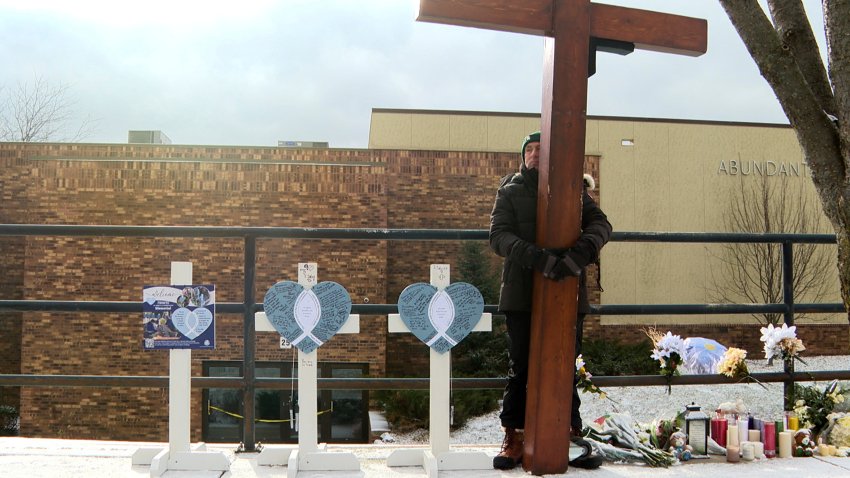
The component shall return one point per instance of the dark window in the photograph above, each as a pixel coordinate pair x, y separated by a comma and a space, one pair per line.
343, 414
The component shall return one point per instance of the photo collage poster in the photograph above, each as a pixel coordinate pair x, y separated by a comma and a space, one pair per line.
179, 317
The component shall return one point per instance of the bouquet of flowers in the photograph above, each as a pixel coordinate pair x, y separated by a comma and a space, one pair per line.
583, 380
813, 406
781, 342
615, 438
734, 365
837, 432
669, 350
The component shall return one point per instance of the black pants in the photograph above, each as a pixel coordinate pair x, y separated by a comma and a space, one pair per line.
513, 403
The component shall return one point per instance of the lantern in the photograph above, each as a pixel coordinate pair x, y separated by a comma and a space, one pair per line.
697, 425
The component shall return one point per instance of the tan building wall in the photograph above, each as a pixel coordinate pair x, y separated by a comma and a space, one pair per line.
659, 176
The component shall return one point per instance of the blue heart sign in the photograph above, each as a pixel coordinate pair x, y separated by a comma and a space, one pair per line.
307, 318
440, 318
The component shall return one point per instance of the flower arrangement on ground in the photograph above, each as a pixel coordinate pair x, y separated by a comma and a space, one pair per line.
616, 437
837, 432
669, 350
583, 380
813, 405
734, 365
781, 342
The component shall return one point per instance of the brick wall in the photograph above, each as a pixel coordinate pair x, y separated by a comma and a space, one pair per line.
318, 188
13, 200
160, 185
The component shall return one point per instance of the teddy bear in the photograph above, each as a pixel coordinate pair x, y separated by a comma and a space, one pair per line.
679, 447
804, 444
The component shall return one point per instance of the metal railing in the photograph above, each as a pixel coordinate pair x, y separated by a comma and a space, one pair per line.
248, 383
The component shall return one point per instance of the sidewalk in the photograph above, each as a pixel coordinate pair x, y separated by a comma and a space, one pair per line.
53, 458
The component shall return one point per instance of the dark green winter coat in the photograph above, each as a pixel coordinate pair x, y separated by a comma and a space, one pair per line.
513, 229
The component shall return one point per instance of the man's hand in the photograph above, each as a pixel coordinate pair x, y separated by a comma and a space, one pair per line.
554, 267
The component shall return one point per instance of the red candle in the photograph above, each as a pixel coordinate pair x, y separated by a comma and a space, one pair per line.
718, 430
769, 439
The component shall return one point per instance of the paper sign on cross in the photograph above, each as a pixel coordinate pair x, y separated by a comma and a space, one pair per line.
573, 29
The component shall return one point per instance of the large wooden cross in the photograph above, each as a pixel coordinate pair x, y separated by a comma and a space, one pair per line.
573, 29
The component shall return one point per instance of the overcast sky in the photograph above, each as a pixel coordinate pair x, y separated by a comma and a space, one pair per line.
254, 72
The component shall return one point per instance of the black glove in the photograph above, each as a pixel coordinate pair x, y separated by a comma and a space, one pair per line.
552, 266
578, 255
569, 266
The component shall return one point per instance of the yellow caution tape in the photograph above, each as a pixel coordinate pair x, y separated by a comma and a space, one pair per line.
210, 409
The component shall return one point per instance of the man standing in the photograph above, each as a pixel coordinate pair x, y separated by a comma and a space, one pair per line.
513, 227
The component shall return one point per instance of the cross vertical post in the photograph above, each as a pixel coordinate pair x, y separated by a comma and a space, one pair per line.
439, 457
551, 361
574, 30
180, 454
309, 455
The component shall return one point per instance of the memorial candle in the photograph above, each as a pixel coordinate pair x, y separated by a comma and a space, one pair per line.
732, 454
753, 435
769, 439
743, 428
758, 450
785, 442
732, 436
718, 430
747, 451
793, 422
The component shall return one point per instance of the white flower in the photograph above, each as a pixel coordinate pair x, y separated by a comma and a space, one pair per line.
660, 354
767, 333
785, 332
579, 362
672, 343
773, 337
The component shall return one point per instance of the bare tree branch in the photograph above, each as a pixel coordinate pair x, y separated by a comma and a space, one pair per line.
39, 111
815, 130
797, 36
823, 136
752, 273
837, 25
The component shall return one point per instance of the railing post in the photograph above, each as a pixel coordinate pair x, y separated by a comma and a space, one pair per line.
249, 346
788, 300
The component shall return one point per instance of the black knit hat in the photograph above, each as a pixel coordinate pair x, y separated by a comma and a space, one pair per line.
532, 138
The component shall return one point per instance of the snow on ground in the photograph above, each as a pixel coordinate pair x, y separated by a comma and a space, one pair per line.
646, 404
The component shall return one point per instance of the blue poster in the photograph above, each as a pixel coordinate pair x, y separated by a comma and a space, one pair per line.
179, 317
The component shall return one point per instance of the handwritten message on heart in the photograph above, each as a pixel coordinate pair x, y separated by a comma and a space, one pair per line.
307, 318
192, 323
440, 319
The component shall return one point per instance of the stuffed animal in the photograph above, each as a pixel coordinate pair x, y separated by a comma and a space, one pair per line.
730, 408
679, 446
804, 444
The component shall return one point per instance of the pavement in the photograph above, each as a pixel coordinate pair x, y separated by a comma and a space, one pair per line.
55, 458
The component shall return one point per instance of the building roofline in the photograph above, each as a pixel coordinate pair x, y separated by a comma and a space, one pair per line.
590, 117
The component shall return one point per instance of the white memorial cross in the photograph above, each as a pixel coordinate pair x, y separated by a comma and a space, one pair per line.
179, 456
440, 457
309, 455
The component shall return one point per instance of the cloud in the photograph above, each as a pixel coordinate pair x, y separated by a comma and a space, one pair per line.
255, 72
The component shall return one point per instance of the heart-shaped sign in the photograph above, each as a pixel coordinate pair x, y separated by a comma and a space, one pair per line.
192, 323
440, 319
307, 318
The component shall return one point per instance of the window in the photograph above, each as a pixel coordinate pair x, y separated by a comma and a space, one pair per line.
343, 414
